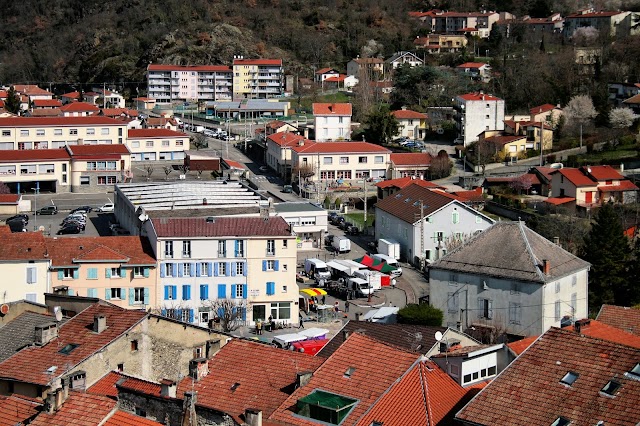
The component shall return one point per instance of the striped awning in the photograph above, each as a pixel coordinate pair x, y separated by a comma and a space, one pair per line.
313, 291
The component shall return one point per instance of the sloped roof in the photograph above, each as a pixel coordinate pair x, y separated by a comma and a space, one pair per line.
338, 108
601, 173
479, 97
31, 89
20, 332
405, 181
45, 112
15, 410
97, 150
221, 227
520, 346
265, 62
504, 139
403, 204
93, 120
472, 65
80, 409
30, 364
399, 55
79, 107
107, 385
529, 391
411, 158
162, 67
542, 109
622, 317
134, 250
263, 378
516, 253
23, 246
407, 114
33, 155
123, 418
474, 195
154, 133
600, 330
47, 103
10, 198
558, 201
326, 70
374, 365
624, 185
412, 338
635, 99
348, 147
575, 176
286, 139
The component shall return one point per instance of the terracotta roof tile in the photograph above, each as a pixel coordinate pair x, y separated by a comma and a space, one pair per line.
80, 409
133, 250
407, 114
14, 410
116, 112
419, 159
349, 147
600, 330
473, 195
31, 89
122, 418
332, 109
601, 173
106, 386
575, 176
45, 112
221, 227
402, 204
97, 150
30, 365
33, 155
58, 121
406, 181
79, 107
529, 390
479, 97
541, 109
9, 198
519, 346
621, 317
142, 386
336, 79
624, 185
23, 246
558, 201
47, 103
154, 133
286, 139
265, 62
326, 70
263, 374
472, 65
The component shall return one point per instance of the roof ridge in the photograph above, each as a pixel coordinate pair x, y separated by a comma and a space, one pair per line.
530, 251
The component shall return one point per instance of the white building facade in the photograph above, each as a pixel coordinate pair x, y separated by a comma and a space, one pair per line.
168, 83
157, 144
476, 113
332, 122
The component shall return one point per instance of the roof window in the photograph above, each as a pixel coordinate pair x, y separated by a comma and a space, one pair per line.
349, 372
407, 200
68, 348
234, 386
398, 195
635, 372
611, 388
325, 407
561, 421
569, 378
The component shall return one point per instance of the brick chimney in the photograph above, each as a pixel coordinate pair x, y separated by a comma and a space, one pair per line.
99, 323
546, 266
580, 324
303, 377
168, 388
213, 346
253, 417
198, 368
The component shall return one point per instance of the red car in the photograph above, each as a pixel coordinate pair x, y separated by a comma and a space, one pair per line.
310, 347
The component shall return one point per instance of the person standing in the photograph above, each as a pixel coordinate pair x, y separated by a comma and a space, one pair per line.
301, 321
323, 299
346, 306
259, 327
393, 283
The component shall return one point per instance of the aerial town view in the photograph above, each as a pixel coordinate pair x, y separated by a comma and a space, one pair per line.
297, 212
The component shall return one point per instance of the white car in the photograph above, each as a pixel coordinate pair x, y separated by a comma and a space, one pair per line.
107, 208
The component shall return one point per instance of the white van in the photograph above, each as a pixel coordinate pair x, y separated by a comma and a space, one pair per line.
391, 262
317, 269
359, 286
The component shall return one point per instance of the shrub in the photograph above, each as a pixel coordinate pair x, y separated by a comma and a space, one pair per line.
422, 314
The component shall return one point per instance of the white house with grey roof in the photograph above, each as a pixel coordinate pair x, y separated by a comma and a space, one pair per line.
426, 222
308, 221
509, 279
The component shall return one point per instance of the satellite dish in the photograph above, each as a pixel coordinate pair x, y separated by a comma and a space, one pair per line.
58, 313
438, 335
4, 309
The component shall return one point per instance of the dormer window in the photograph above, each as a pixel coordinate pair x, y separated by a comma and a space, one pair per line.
569, 378
325, 407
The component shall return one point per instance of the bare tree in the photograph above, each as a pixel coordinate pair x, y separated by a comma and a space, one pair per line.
4, 189
167, 171
454, 241
228, 313
149, 170
522, 183
199, 140
184, 169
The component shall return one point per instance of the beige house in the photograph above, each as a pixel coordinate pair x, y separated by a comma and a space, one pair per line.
157, 144
411, 124
24, 266
441, 43
502, 145
279, 151
548, 113
98, 167
257, 78
374, 66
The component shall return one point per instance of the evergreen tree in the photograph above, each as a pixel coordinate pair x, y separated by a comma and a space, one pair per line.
607, 249
12, 103
629, 295
381, 125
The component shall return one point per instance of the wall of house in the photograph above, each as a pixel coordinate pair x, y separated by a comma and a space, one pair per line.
15, 286
48, 137
412, 128
344, 166
559, 182
567, 296
38, 171
332, 128
163, 148
480, 116
85, 177
309, 226
451, 335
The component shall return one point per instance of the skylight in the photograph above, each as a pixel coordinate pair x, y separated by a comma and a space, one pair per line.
349, 371
561, 421
398, 195
407, 200
611, 388
569, 378
635, 372
68, 348
234, 386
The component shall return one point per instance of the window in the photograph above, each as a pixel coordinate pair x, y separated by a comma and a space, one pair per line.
271, 247
32, 275
91, 131
271, 265
362, 160
239, 248
222, 248
378, 159
344, 160
186, 248
222, 268
116, 292
239, 291
170, 293
40, 132
104, 131
138, 271
280, 310
165, 143
635, 372
561, 421
611, 388
168, 249
6, 133
574, 281
135, 144
186, 269
134, 345
452, 302
179, 143
557, 286
239, 268
68, 348
73, 131
557, 310
138, 296
485, 308
24, 133
57, 132
327, 160
515, 313
107, 180
67, 273
168, 268
569, 378
204, 269
114, 272
455, 217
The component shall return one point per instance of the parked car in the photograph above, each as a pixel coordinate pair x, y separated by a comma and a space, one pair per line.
352, 230
107, 208
345, 225
328, 239
69, 229
264, 169
337, 220
331, 215
287, 189
17, 225
81, 225
85, 209
23, 217
47, 210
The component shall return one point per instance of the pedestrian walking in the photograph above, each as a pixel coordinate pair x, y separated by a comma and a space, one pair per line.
336, 306
259, 327
346, 306
301, 321
323, 299
393, 283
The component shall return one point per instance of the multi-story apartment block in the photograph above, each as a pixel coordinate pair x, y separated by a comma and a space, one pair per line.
608, 23
440, 43
474, 23
250, 261
257, 78
167, 83
476, 113
332, 122
157, 144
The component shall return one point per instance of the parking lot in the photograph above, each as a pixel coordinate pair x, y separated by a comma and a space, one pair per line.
97, 224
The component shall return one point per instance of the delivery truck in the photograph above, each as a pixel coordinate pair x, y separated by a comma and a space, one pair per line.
391, 262
376, 279
359, 287
389, 248
341, 244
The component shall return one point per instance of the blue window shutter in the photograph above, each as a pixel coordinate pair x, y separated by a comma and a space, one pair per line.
222, 291
210, 269
163, 312
233, 291
185, 292
107, 272
236, 245
107, 294
198, 273
179, 314
76, 274
89, 271
175, 270
264, 265
146, 295
70, 292
192, 269
123, 273
244, 313
131, 296
215, 269
94, 273
166, 292
60, 274
206, 291
190, 315
244, 291
162, 269
174, 291
228, 269
145, 272
180, 267
244, 270
220, 312
233, 269
269, 289
276, 265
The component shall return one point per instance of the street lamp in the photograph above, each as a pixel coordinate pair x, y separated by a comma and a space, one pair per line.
36, 191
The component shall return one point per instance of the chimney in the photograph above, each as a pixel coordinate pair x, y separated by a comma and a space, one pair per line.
168, 388
253, 417
80, 141
45, 333
204, 201
99, 323
213, 346
198, 368
546, 266
189, 408
345, 335
580, 324
302, 378
51, 402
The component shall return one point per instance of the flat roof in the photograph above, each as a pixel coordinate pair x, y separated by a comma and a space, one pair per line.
293, 206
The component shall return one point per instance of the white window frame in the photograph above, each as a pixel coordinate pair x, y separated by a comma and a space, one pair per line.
168, 249
239, 291
138, 272
271, 265
239, 268
138, 296
116, 293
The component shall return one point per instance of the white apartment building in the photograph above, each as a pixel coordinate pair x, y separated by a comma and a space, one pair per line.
250, 261
157, 144
332, 121
168, 83
337, 161
257, 78
279, 151
476, 113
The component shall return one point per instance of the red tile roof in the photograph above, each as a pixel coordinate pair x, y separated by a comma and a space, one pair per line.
263, 377
349, 147
332, 109
635, 99
504, 139
601, 14
97, 150
46, 103
117, 112
14, 410
107, 385
80, 409
234, 164
277, 62
558, 201
403, 203
326, 70
473, 195
472, 65
46, 112
9, 198
214, 68
406, 181
154, 133
368, 61
375, 367
286, 139
529, 390
521, 345
479, 97
622, 317
122, 418
420, 159
624, 185
221, 227
30, 365
58, 121
23, 246
600, 330
79, 107
336, 79
575, 176
33, 155
133, 250
31, 89
407, 114
601, 173
541, 109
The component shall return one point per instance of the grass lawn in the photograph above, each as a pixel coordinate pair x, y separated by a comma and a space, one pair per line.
358, 218
305, 103
608, 155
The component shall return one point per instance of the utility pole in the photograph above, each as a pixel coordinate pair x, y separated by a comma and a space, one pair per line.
365, 202
421, 235
541, 139
104, 95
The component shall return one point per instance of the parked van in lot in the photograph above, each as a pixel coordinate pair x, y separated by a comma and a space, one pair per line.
391, 262
341, 244
316, 268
